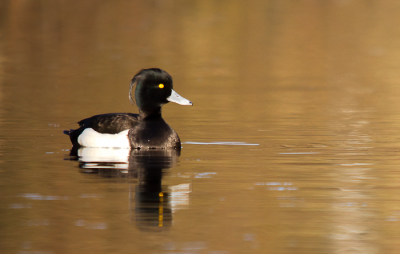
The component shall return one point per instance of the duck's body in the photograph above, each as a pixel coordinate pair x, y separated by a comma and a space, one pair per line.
153, 132
146, 130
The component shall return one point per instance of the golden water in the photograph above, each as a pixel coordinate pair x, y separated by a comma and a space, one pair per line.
292, 145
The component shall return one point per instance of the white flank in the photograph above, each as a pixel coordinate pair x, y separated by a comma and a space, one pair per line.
103, 154
91, 138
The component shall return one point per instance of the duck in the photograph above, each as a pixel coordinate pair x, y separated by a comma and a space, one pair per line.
152, 89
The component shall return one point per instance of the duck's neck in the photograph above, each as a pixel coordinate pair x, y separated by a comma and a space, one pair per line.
150, 113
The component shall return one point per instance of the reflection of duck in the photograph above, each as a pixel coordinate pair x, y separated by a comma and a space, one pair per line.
152, 201
105, 162
143, 131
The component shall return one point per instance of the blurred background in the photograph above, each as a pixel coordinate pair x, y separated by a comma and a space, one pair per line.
291, 146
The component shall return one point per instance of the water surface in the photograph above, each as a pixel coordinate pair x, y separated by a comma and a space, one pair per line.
291, 146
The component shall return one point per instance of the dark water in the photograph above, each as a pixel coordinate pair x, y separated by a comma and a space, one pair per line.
292, 145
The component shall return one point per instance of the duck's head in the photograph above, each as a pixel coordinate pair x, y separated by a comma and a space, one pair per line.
154, 89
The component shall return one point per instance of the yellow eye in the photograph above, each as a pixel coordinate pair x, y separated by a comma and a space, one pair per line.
161, 85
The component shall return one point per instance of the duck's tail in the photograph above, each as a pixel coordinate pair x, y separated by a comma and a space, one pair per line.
68, 132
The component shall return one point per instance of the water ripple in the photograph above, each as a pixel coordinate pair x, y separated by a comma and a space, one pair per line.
220, 143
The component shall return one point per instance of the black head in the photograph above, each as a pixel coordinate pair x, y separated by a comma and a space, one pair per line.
154, 89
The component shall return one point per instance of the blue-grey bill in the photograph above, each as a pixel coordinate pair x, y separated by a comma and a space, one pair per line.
175, 97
